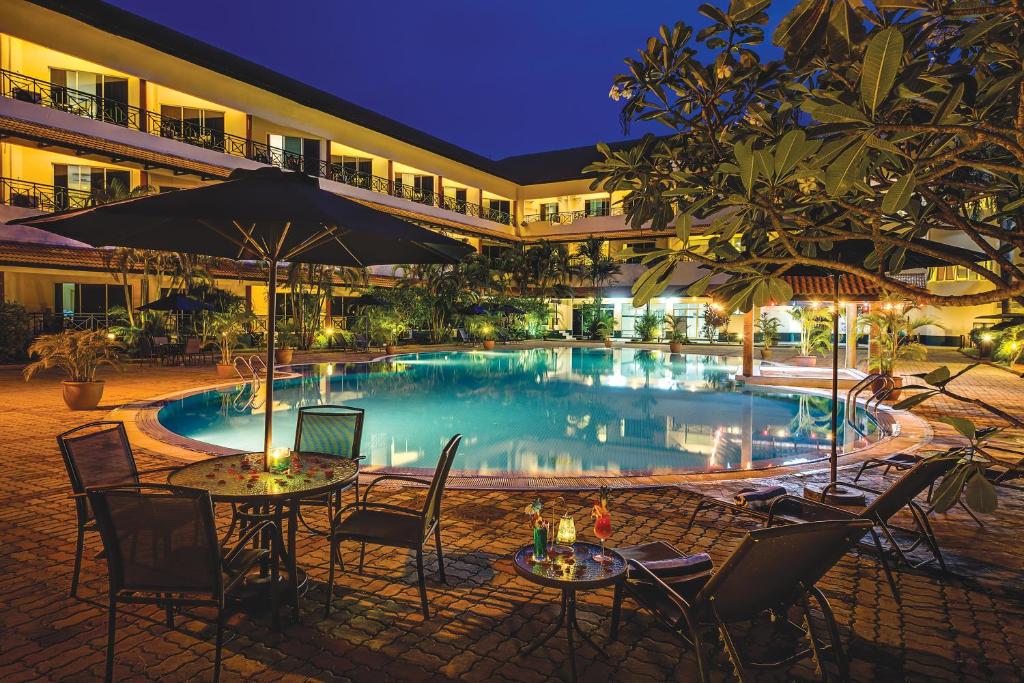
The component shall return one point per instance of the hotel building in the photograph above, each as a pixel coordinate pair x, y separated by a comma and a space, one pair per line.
92, 96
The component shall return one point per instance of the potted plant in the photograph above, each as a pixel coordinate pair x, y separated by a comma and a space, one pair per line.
385, 329
646, 326
285, 348
893, 328
769, 329
814, 334
79, 355
714, 318
226, 327
675, 328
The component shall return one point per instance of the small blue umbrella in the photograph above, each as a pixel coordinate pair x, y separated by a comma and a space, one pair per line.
176, 301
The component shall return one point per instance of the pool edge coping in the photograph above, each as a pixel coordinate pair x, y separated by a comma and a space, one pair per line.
146, 432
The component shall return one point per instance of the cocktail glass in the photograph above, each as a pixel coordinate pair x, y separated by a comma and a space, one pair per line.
603, 531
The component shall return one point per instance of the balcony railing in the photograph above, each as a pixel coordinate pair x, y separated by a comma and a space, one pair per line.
28, 195
566, 217
36, 91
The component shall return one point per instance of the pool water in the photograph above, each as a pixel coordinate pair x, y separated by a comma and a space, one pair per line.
540, 411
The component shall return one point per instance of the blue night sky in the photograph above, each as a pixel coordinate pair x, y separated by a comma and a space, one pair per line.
498, 77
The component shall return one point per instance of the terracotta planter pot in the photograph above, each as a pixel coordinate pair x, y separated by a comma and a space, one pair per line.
390, 349
607, 343
226, 370
83, 395
766, 354
895, 394
804, 361
489, 344
675, 347
283, 356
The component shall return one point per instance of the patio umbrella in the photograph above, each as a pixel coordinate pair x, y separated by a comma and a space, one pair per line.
267, 214
509, 309
367, 300
176, 301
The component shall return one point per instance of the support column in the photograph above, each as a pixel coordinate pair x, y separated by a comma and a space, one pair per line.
248, 136
440, 191
248, 298
747, 432
143, 109
748, 342
391, 177
851, 335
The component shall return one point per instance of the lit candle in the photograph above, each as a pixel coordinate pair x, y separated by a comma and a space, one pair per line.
566, 530
279, 460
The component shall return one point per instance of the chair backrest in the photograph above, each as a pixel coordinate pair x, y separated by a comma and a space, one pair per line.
909, 486
773, 566
192, 345
432, 504
159, 539
332, 430
160, 341
145, 347
97, 454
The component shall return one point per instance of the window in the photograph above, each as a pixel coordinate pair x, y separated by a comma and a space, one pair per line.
957, 273
596, 207
201, 127
455, 199
75, 185
89, 94
71, 298
353, 170
296, 154
549, 211
424, 187
493, 251
499, 210
639, 248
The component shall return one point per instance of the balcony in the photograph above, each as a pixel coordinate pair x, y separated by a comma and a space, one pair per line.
46, 198
568, 217
43, 93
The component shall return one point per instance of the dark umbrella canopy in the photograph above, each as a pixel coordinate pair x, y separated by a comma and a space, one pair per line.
177, 301
256, 214
266, 214
475, 309
366, 300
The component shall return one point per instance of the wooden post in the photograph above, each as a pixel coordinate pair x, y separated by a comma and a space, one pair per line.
851, 335
439, 195
248, 136
143, 118
391, 177
748, 342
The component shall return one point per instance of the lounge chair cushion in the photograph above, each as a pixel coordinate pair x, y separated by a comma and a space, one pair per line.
758, 498
666, 562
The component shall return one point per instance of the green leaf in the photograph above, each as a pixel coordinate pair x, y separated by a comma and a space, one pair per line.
764, 163
652, 282
898, 196
947, 493
840, 173
683, 225
917, 399
960, 424
980, 494
789, 152
835, 113
745, 161
937, 376
700, 286
948, 104
1012, 205
881, 62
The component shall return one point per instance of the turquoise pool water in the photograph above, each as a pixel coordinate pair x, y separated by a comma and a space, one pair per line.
539, 411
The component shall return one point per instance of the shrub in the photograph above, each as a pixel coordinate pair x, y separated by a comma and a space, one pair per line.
15, 332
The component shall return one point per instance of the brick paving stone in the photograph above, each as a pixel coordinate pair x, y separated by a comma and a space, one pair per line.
964, 626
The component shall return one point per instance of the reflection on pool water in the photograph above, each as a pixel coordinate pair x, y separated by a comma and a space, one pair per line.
537, 411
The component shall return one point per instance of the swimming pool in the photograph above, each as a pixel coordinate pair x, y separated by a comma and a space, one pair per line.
540, 411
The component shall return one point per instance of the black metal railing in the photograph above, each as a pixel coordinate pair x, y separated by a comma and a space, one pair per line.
28, 195
36, 91
565, 217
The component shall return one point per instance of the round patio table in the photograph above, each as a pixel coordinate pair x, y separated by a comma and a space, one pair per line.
241, 480
570, 573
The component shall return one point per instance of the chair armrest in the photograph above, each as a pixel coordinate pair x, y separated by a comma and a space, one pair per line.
651, 577
836, 484
809, 510
157, 470
397, 477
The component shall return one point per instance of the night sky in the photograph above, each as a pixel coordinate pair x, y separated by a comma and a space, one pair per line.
498, 77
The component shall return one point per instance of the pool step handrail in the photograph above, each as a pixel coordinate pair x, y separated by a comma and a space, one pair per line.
877, 396
250, 376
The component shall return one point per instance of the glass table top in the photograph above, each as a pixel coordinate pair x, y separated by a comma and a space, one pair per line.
241, 477
576, 569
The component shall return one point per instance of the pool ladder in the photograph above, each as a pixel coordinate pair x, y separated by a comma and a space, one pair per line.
249, 370
877, 396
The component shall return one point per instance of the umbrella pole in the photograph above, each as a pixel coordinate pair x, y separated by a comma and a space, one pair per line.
833, 461
268, 417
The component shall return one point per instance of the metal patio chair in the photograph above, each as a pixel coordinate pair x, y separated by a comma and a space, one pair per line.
395, 526
772, 571
329, 430
96, 454
161, 546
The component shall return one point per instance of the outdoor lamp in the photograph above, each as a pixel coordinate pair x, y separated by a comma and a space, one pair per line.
279, 460
566, 530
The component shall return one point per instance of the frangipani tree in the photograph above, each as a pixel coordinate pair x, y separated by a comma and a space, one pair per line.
887, 121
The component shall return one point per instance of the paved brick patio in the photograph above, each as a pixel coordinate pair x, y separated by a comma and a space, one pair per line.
969, 626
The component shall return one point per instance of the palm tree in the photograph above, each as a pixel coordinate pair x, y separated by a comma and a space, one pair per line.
597, 266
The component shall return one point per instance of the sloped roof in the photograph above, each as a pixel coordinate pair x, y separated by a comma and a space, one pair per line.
821, 287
